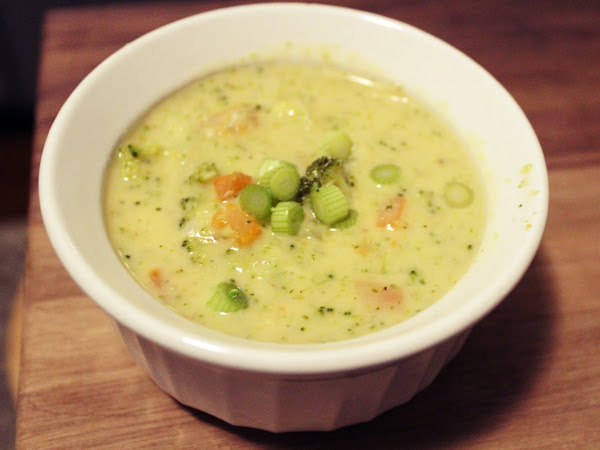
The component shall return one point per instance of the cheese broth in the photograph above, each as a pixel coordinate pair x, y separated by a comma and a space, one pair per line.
322, 284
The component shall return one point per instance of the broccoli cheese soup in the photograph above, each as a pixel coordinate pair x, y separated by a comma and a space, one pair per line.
293, 203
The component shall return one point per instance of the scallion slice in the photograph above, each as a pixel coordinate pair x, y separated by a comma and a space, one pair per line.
280, 177
271, 164
283, 182
329, 204
256, 200
337, 144
286, 218
227, 298
458, 195
385, 173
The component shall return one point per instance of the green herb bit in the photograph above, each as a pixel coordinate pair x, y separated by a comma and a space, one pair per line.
336, 144
329, 204
416, 277
346, 222
134, 150
458, 195
325, 309
286, 218
385, 173
256, 200
227, 298
204, 173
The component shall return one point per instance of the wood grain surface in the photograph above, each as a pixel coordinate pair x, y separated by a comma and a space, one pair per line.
529, 374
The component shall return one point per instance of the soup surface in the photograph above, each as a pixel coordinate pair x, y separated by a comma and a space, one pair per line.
293, 203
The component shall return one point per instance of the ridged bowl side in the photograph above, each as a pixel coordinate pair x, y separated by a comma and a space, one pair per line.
280, 403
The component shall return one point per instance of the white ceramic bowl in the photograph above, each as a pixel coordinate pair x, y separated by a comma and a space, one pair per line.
273, 386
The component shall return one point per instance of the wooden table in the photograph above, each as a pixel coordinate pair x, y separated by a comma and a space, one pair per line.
529, 375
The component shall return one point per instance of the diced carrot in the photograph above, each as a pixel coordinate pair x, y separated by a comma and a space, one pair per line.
379, 293
245, 228
156, 278
234, 120
230, 185
390, 217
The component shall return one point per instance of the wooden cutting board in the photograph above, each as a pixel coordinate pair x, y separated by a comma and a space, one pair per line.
528, 376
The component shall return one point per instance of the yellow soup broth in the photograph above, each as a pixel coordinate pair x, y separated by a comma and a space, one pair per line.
410, 233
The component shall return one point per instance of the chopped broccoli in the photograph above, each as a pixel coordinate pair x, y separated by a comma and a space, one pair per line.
131, 158
189, 206
322, 172
135, 161
204, 173
195, 247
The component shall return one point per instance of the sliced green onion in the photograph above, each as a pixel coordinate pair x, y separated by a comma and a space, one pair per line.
337, 144
329, 204
280, 177
347, 221
283, 182
271, 164
227, 298
458, 195
286, 218
256, 200
385, 173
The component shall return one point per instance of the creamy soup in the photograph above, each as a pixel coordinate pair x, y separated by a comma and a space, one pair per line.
293, 203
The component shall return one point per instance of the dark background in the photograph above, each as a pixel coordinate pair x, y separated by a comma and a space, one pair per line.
20, 37
20, 32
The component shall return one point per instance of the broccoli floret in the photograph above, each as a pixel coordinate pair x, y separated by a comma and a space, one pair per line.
324, 171
195, 247
136, 161
131, 158
188, 206
204, 173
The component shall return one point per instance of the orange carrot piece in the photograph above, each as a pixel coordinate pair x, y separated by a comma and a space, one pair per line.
245, 228
390, 216
379, 293
156, 278
230, 185
235, 120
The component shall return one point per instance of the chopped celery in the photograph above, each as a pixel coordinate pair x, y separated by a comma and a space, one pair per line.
256, 200
329, 204
385, 173
337, 144
286, 218
458, 195
269, 165
227, 297
280, 177
284, 183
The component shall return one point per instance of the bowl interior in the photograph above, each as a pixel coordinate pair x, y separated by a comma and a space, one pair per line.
109, 100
